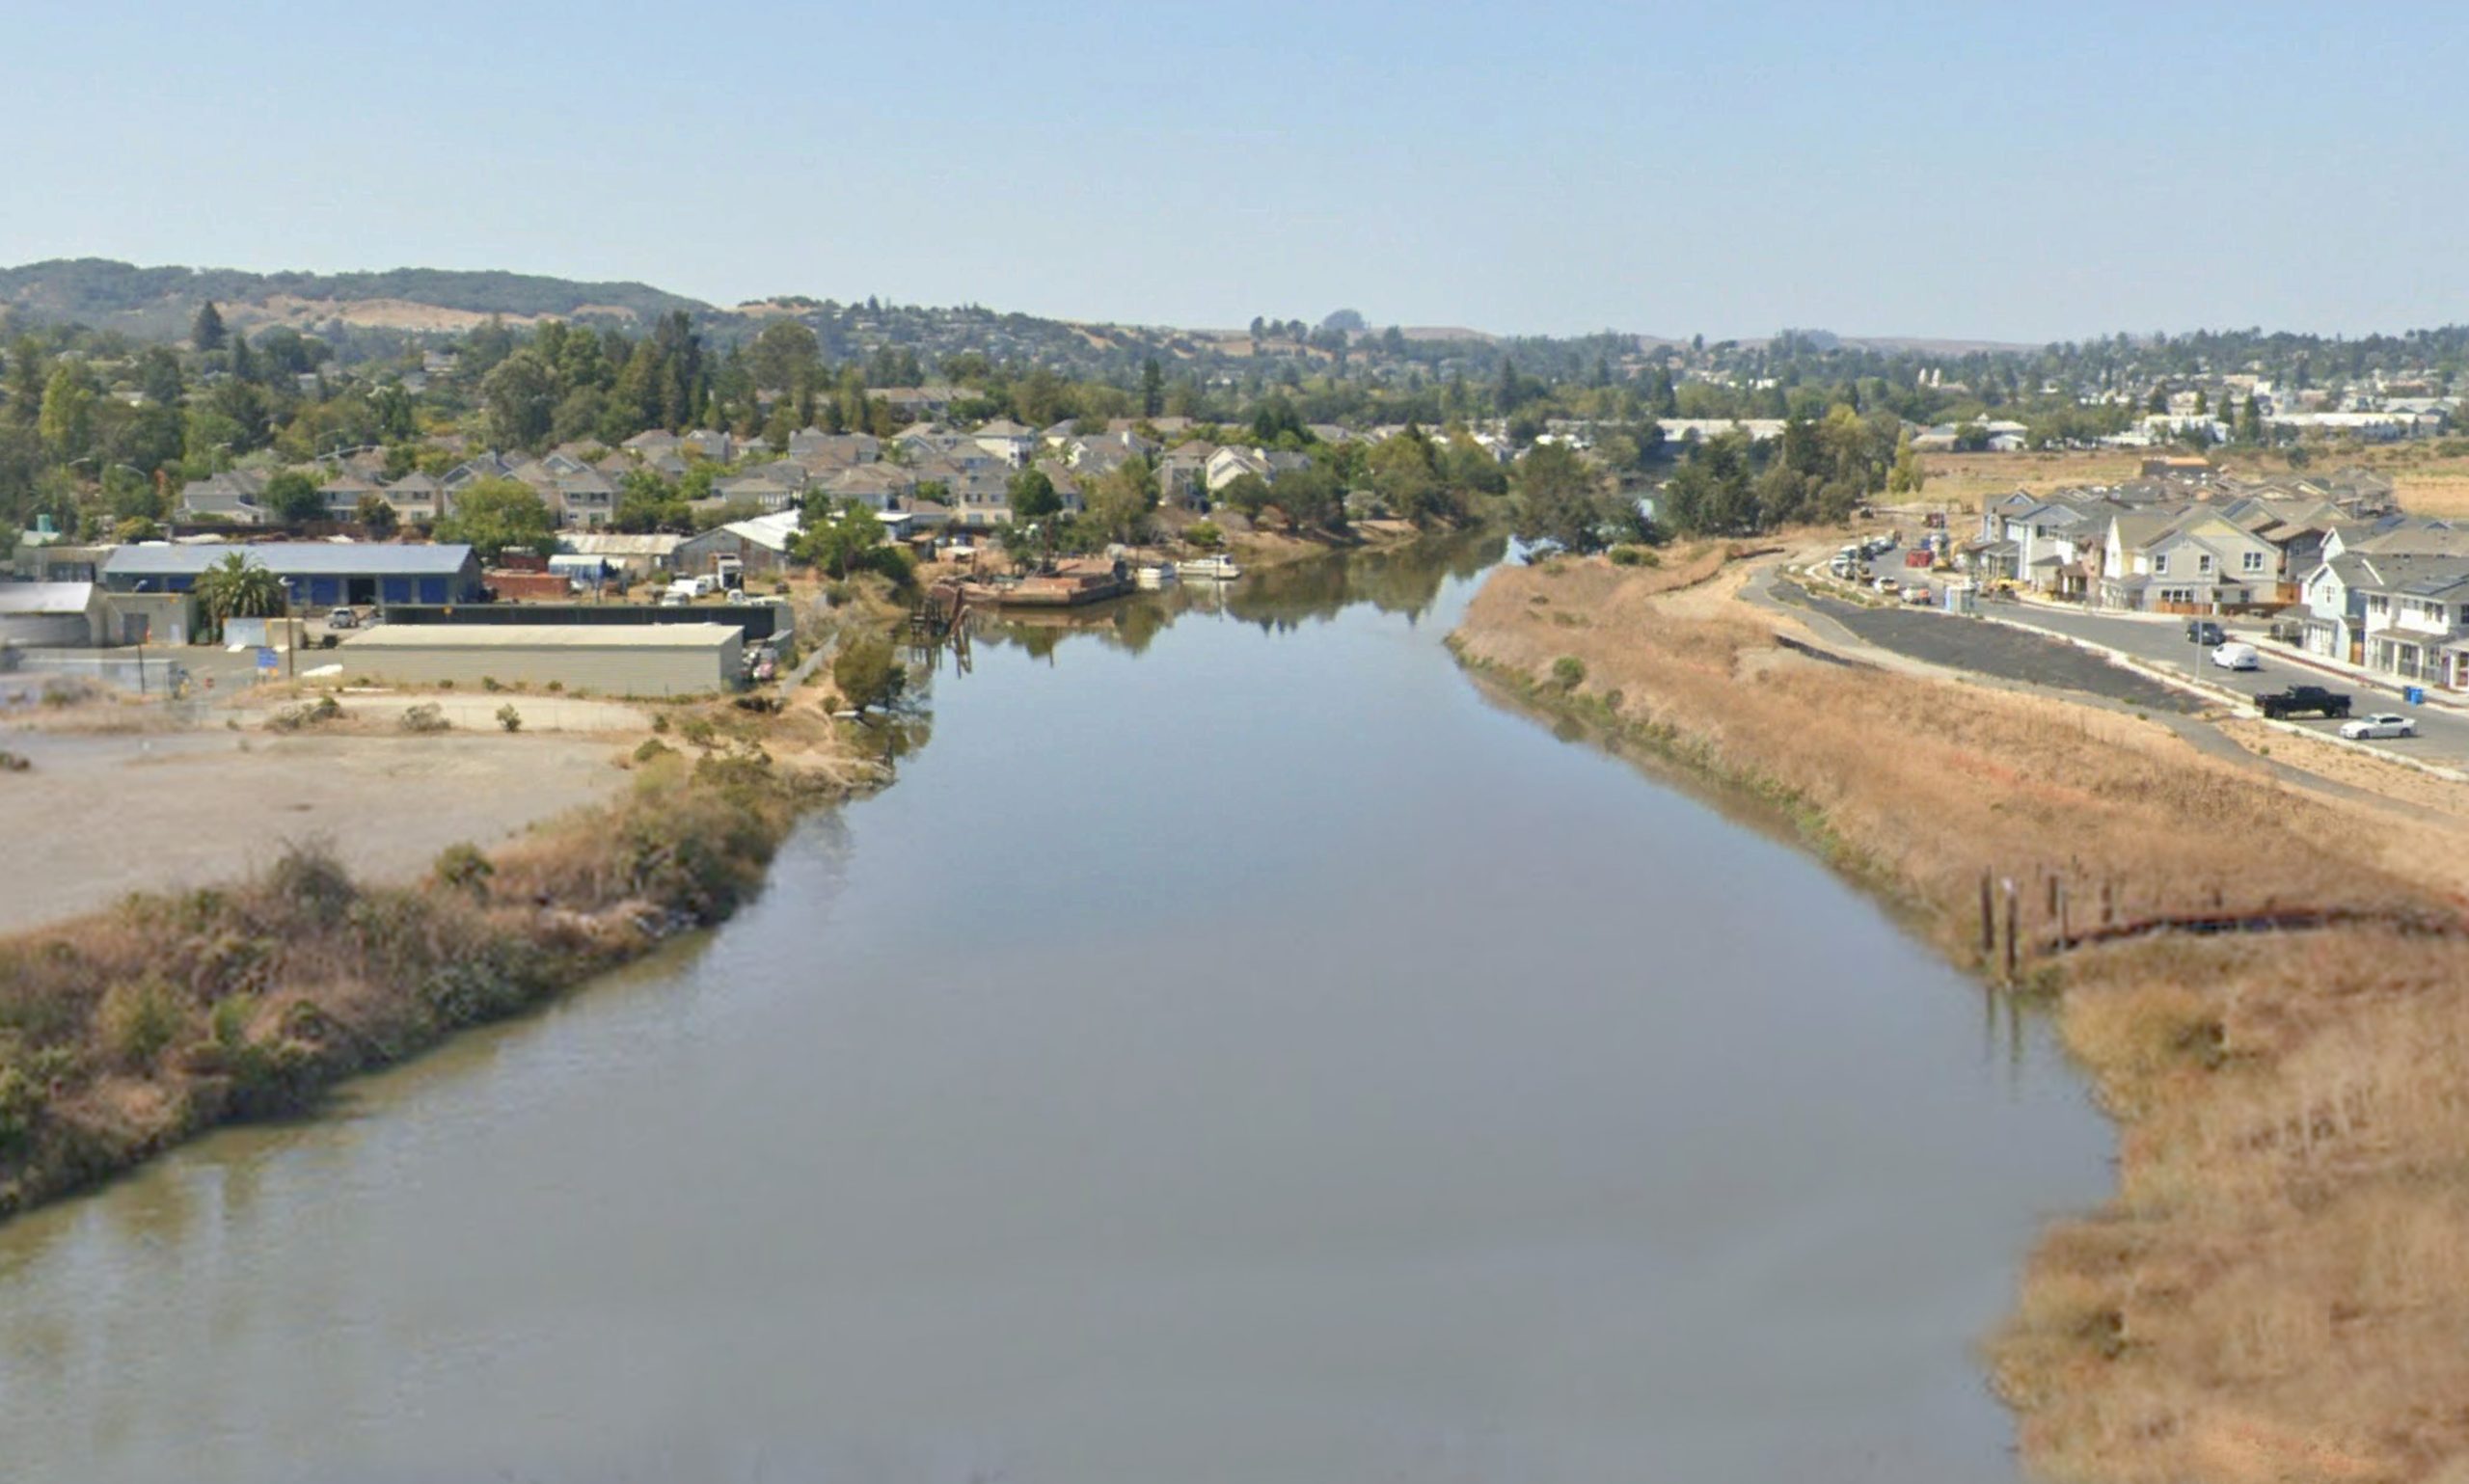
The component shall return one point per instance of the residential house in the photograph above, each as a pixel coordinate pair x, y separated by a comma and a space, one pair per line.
234, 497
2414, 615
416, 497
651, 444
876, 486
1006, 439
811, 445
2184, 560
918, 402
718, 448
342, 493
1230, 464
585, 497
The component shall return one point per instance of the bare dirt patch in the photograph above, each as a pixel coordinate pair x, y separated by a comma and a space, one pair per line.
115, 814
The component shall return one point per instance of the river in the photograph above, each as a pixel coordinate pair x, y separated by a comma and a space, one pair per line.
1236, 1051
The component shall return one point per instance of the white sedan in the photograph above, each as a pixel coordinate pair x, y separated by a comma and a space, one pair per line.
2380, 725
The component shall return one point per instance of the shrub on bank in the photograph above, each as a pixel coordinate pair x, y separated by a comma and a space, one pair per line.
249, 999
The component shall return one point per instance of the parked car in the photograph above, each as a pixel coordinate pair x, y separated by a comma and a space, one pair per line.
2234, 655
2298, 700
672, 599
1886, 584
2382, 723
2203, 631
342, 618
1916, 594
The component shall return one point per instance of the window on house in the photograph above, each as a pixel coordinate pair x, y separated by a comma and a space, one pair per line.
2203, 564
2254, 561
2160, 565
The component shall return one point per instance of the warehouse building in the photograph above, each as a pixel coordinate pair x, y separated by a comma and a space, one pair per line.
317, 574
602, 659
55, 616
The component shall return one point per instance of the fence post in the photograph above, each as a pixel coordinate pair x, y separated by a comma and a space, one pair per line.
2010, 932
1988, 922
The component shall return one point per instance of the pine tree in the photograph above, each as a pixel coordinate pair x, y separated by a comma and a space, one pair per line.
1152, 388
206, 332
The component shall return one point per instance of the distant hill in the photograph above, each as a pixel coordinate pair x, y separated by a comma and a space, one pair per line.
158, 303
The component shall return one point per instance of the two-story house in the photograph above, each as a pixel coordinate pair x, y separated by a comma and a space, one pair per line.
2189, 560
2415, 620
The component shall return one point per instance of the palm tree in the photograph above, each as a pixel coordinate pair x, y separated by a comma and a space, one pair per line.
236, 587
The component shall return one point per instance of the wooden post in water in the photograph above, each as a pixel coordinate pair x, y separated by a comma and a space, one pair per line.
2011, 945
1988, 922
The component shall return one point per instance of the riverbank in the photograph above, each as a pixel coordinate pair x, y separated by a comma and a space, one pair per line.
2273, 1293
129, 1028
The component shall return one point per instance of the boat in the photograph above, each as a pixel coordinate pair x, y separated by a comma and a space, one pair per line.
1149, 577
1218, 568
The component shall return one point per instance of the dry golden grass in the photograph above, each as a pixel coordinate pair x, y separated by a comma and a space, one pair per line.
2281, 1288
2431, 475
1966, 478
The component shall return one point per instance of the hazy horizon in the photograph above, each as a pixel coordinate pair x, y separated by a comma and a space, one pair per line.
1929, 174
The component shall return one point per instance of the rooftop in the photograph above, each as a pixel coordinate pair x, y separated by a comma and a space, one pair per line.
320, 558
545, 636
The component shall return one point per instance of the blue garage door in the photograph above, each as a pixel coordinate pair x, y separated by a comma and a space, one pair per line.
433, 590
395, 589
323, 593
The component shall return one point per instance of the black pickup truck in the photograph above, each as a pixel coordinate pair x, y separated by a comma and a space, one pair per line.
2298, 700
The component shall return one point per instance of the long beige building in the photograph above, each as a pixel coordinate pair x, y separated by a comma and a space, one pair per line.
602, 659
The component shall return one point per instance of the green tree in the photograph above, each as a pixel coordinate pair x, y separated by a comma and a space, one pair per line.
842, 540
785, 356
1032, 496
1907, 476
238, 588
520, 400
1561, 500
1121, 500
868, 673
1152, 388
1312, 498
293, 500
67, 419
647, 503
501, 515
206, 332
376, 517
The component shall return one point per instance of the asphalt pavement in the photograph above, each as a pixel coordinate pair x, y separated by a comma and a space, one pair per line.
2162, 643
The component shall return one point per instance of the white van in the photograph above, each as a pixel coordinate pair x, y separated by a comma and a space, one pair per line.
2234, 655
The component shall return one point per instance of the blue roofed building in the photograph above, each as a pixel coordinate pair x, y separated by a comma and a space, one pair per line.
317, 574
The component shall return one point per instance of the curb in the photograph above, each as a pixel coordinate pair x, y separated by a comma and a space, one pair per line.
2149, 671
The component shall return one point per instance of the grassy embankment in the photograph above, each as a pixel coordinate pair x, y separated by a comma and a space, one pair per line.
2433, 475
2280, 1287
125, 1031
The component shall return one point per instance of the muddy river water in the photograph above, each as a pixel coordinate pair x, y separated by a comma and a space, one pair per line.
1236, 1051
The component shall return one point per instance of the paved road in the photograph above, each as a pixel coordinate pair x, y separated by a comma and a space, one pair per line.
1990, 649
2445, 735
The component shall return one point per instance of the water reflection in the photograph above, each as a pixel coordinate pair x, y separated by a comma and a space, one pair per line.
1406, 580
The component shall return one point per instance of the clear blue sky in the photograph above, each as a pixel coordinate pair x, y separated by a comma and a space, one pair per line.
1976, 170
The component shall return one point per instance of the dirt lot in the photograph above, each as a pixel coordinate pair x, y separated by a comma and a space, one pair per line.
101, 816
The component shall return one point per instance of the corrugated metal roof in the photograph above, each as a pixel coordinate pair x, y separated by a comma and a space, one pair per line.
45, 597
544, 636
293, 559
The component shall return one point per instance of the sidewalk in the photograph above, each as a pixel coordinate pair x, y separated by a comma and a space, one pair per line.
2358, 675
